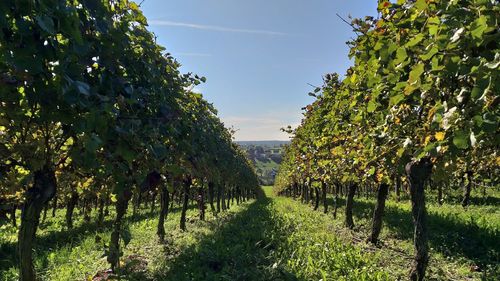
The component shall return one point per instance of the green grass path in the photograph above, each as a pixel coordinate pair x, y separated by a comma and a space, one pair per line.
272, 238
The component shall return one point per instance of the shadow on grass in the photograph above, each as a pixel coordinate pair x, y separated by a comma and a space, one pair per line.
448, 234
240, 249
484, 200
54, 240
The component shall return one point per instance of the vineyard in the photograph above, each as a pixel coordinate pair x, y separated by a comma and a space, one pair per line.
114, 168
93, 112
420, 105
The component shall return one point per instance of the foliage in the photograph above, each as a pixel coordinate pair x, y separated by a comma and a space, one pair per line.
87, 95
424, 84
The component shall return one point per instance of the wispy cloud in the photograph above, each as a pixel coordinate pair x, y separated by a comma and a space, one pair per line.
193, 55
214, 28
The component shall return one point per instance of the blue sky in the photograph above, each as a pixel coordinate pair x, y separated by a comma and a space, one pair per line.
259, 56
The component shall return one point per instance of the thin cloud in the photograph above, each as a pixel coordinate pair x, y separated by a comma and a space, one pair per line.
215, 28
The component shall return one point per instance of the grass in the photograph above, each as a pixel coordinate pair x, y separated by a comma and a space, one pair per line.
463, 243
273, 238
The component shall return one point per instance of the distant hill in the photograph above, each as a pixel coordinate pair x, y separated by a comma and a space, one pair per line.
269, 143
266, 156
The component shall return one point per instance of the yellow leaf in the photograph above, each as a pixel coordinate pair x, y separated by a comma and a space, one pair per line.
113, 198
439, 136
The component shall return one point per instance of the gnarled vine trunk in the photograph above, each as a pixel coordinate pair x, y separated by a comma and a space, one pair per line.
185, 201
440, 193
418, 172
223, 200
73, 200
164, 202
349, 222
336, 200
323, 195
114, 244
43, 189
153, 202
13, 215
100, 216
397, 186
378, 212
218, 198
87, 210
467, 189
316, 202
45, 209
136, 202
54, 206
211, 195
233, 194
201, 203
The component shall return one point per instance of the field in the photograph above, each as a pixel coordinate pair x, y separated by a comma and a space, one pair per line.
272, 238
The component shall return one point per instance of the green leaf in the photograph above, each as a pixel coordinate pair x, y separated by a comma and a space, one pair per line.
415, 40
476, 93
93, 143
433, 29
430, 147
460, 139
371, 172
416, 72
174, 169
421, 4
125, 152
83, 88
478, 120
478, 27
401, 56
490, 122
435, 63
434, 50
400, 152
126, 236
495, 63
46, 23
395, 100
414, 80
371, 106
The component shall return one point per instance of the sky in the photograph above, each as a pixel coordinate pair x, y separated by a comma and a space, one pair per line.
260, 57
